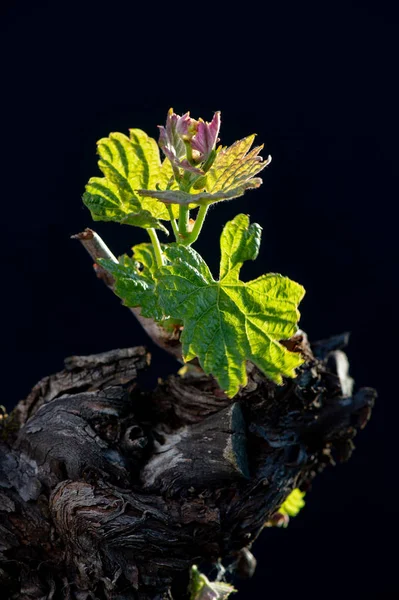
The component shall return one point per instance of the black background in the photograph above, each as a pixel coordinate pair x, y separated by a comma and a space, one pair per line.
317, 83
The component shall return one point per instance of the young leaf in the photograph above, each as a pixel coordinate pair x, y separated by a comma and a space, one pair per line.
235, 166
293, 503
227, 322
232, 173
201, 588
128, 164
134, 281
202, 198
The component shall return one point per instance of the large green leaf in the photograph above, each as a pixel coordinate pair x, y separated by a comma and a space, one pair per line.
129, 163
227, 322
232, 173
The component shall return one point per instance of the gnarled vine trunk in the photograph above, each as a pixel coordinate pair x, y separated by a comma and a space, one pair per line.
109, 491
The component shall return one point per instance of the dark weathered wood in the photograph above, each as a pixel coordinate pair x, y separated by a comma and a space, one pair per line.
210, 452
84, 373
107, 491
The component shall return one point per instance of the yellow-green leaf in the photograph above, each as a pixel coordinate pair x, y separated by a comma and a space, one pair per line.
128, 164
293, 503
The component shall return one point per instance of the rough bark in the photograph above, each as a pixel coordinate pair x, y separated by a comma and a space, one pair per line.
108, 491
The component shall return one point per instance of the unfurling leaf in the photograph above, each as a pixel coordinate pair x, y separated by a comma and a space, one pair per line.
228, 322
291, 506
129, 164
293, 503
232, 173
206, 137
202, 589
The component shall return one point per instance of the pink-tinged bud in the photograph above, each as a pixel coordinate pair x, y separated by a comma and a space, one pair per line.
172, 139
187, 142
206, 137
278, 520
186, 127
169, 138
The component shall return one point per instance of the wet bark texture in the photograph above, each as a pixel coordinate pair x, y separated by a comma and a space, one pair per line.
109, 491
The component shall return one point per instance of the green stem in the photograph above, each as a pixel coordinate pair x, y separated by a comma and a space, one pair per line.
199, 221
189, 152
184, 217
209, 162
173, 222
157, 246
176, 173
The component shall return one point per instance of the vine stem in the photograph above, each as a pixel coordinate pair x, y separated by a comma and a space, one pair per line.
157, 247
173, 222
199, 221
95, 245
184, 216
